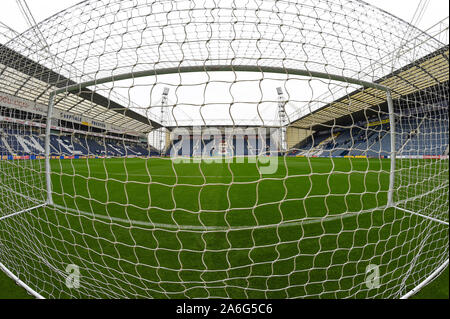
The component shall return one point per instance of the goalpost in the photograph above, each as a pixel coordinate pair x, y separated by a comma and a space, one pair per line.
356, 209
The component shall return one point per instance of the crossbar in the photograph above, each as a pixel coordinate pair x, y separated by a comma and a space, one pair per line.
220, 68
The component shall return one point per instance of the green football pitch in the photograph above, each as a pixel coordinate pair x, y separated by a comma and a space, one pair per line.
160, 229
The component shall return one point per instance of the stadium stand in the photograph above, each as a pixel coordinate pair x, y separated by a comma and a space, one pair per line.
21, 142
355, 141
375, 141
370, 138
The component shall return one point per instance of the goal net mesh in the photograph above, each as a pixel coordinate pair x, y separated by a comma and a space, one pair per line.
326, 191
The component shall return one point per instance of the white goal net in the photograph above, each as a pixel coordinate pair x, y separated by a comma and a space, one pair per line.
224, 149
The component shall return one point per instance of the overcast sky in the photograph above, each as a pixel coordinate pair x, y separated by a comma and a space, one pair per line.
42, 9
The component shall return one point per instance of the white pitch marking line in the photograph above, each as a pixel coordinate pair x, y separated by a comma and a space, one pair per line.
219, 228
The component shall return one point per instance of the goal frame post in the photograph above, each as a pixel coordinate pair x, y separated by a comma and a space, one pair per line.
47, 148
393, 154
20, 282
